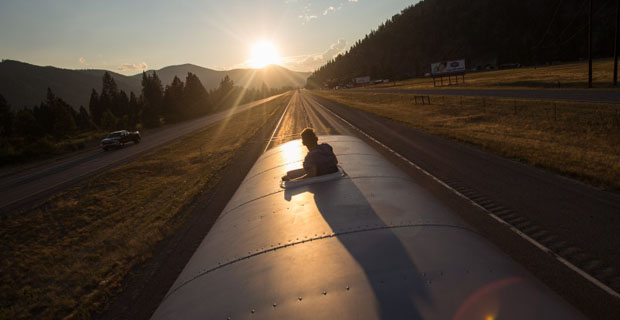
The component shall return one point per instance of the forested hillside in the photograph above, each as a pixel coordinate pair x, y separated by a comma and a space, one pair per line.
53, 126
271, 76
484, 32
25, 85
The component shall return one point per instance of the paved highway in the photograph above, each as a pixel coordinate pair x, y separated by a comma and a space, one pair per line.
606, 96
563, 231
28, 186
574, 221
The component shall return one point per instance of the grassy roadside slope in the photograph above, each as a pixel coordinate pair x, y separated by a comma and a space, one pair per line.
569, 75
66, 257
575, 139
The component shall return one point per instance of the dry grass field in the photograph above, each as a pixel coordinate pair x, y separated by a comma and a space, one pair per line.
575, 139
571, 75
68, 256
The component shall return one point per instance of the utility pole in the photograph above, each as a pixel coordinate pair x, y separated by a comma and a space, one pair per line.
616, 43
590, 47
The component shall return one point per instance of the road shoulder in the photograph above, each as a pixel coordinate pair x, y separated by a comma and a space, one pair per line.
147, 284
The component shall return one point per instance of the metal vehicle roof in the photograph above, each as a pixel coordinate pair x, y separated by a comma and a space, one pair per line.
373, 244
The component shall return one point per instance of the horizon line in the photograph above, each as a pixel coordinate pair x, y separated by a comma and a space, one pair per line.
150, 70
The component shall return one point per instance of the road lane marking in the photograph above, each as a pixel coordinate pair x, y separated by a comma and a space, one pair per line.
278, 124
537, 244
182, 129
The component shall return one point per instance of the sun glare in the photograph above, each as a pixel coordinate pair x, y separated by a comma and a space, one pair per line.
263, 54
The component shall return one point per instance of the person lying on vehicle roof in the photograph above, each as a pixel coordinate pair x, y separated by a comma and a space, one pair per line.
320, 159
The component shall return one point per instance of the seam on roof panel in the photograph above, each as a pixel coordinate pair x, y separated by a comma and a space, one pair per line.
328, 236
296, 161
282, 190
333, 141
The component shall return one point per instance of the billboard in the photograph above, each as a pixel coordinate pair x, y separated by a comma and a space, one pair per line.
362, 80
448, 67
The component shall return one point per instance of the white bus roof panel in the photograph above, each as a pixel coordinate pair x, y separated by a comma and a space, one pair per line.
370, 245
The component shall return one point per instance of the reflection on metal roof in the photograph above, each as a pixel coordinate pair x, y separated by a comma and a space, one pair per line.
306, 182
370, 245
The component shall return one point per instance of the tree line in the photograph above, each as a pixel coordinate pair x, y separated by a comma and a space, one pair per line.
37, 131
484, 32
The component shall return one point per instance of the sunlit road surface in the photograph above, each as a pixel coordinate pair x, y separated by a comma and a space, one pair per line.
27, 186
604, 96
577, 222
303, 112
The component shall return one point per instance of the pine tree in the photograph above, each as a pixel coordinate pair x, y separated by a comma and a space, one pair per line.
196, 97
152, 96
226, 84
109, 94
60, 121
44, 113
109, 86
105, 102
223, 96
6, 118
134, 111
83, 120
95, 107
121, 104
264, 91
26, 125
109, 121
173, 101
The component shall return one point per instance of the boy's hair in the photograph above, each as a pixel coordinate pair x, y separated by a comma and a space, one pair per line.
308, 136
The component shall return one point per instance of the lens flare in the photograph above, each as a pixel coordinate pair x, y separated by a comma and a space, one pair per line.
263, 54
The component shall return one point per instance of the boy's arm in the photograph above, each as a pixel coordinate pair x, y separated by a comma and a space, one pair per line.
311, 173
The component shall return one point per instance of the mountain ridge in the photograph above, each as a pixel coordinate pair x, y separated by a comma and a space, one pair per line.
24, 85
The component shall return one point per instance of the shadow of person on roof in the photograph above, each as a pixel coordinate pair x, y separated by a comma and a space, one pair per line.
388, 267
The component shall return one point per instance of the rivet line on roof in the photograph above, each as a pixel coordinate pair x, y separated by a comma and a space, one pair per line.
299, 298
331, 235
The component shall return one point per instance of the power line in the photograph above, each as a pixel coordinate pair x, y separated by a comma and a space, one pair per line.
615, 81
557, 8
575, 33
572, 21
590, 46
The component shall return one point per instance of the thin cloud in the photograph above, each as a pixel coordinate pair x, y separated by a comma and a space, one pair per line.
133, 67
310, 14
307, 18
328, 10
332, 9
311, 62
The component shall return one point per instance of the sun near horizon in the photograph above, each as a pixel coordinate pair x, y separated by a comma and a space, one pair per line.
262, 54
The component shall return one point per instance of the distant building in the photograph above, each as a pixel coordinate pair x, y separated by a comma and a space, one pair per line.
512, 65
362, 80
479, 64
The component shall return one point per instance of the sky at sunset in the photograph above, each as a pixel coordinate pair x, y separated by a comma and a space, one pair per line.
129, 36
